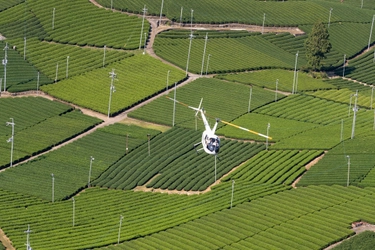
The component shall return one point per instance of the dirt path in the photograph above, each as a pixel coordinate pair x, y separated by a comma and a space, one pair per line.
308, 166
6, 241
357, 227
144, 188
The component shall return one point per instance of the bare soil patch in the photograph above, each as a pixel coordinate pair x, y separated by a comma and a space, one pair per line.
308, 166
6, 241
357, 227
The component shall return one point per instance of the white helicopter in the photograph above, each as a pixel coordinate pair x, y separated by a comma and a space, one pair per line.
210, 141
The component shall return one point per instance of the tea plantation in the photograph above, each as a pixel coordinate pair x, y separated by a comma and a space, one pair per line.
95, 154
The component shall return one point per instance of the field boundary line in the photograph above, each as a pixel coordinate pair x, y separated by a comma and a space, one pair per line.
308, 166
6, 241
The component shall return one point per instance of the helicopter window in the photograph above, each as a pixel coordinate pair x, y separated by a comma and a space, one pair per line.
213, 144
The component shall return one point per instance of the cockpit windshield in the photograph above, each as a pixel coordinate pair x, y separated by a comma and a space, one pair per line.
213, 144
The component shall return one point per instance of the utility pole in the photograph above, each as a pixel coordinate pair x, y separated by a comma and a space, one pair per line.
11, 139
5, 62
355, 110
119, 229
295, 73
27, 232
144, 10
112, 89
53, 188
91, 160
204, 52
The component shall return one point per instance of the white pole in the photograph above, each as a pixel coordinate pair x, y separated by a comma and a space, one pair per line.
11, 140
168, 79
342, 129
174, 104
215, 166
372, 96
208, 62
191, 20
296, 90
67, 66
264, 19
37, 83
251, 93
329, 19
295, 72
372, 26
343, 66
74, 209
53, 19
268, 129
277, 83
361, 4
127, 139
144, 46
161, 11
24, 48
111, 4
204, 52
231, 200
53, 188
119, 229
188, 59
91, 159
105, 46
28, 231
5, 62
143, 22
347, 181
355, 109
182, 8
57, 71
111, 90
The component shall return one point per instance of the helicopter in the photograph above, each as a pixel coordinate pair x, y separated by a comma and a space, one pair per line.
210, 141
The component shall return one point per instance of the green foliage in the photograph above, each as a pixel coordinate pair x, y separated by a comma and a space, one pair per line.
280, 128
361, 68
138, 78
39, 125
70, 164
267, 79
346, 38
242, 53
345, 93
333, 168
173, 164
223, 100
50, 58
75, 22
317, 45
282, 13
8, 4
15, 80
306, 109
97, 213
274, 167
362, 241
302, 218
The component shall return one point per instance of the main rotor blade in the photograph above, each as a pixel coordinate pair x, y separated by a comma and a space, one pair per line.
181, 103
245, 129
227, 123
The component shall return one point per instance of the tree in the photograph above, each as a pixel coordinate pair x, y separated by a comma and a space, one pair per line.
317, 45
